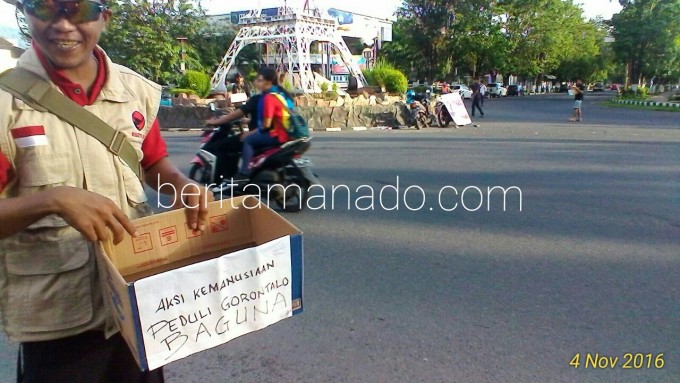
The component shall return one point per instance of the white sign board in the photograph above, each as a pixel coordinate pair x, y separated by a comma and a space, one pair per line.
456, 107
238, 97
209, 303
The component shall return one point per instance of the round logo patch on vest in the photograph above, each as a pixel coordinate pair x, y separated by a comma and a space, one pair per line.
138, 120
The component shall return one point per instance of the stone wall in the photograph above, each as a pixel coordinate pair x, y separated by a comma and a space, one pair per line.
347, 116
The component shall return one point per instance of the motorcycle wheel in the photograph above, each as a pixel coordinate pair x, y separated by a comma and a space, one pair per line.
442, 120
198, 174
295, 198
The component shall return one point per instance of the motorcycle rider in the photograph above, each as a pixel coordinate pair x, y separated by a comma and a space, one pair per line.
266, 120
270, 131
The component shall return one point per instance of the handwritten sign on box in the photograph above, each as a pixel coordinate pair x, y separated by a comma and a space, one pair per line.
209, 303
187, 295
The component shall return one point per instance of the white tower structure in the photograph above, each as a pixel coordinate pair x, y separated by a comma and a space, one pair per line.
290, 35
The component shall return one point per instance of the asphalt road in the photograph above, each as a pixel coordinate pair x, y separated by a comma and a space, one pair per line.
589, 265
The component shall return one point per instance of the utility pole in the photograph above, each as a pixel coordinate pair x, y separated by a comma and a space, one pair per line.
182, 54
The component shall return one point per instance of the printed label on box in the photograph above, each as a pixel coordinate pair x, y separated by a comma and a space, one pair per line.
168, 235
142, 243
218, 224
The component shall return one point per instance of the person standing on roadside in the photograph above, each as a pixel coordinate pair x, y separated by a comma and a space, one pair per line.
579, 92
62, 191
482, 91
240, 86
477, 99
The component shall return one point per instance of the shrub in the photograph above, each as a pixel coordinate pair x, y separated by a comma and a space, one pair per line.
395, 82
177, 91
251, 76
368, 75
199, 82
324, 87
335, 87
385, 75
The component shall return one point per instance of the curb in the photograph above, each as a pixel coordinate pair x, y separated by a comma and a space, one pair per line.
648, 103
182, 129
354, 129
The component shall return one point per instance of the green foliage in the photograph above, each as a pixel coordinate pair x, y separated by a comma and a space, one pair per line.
324, 87
288, 86
251, 76
647, 34
335, 88
330, 95
142, 35
177, 91
368, 75
385, 75
199, 82
396, 82
641, 93
451, 39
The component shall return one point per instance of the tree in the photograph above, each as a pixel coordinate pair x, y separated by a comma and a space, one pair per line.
213, 43
143, 36
647, 34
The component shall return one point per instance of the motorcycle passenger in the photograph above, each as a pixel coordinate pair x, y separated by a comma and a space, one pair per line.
270, 130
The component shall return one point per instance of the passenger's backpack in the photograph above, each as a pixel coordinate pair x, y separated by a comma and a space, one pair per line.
295, 125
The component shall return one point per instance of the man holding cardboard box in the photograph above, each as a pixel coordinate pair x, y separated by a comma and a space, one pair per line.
77, 135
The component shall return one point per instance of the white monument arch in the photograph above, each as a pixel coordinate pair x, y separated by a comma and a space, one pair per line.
289, 35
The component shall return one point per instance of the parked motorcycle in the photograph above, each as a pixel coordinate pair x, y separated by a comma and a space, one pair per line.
425, 99
442, 114
420, 114
281, 174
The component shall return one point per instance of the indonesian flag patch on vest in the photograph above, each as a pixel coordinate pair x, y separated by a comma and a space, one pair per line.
29, 136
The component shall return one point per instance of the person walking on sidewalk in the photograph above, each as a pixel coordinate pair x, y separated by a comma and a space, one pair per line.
477, 99
579, 92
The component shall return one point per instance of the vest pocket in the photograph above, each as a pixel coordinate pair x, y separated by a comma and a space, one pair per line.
49, 285
36, 170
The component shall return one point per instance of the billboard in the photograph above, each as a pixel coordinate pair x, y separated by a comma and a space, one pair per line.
342, 17
266, 12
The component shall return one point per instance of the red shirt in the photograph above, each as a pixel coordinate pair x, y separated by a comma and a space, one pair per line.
273, 108
153, 147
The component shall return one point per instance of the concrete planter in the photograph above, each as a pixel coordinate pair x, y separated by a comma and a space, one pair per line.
319, 118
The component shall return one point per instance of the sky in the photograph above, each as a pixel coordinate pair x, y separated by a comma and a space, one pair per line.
379, 8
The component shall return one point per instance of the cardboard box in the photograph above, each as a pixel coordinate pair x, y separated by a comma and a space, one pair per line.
175, 292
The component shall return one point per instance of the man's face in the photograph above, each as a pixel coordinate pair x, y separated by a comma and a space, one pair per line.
261, 84
68, 44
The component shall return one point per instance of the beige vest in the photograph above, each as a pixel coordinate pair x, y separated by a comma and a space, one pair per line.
49, 284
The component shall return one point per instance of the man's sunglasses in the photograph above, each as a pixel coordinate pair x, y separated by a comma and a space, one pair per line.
75, 11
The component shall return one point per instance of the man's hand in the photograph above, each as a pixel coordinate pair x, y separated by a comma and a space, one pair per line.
196, 201
213, 121
91, 214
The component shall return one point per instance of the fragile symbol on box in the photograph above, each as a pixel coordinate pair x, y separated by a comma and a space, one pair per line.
168, 235
218, 224
142, 243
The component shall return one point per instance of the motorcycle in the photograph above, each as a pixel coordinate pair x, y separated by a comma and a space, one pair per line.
425, 99
281, 173
442, 114
219, 153
420, 114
